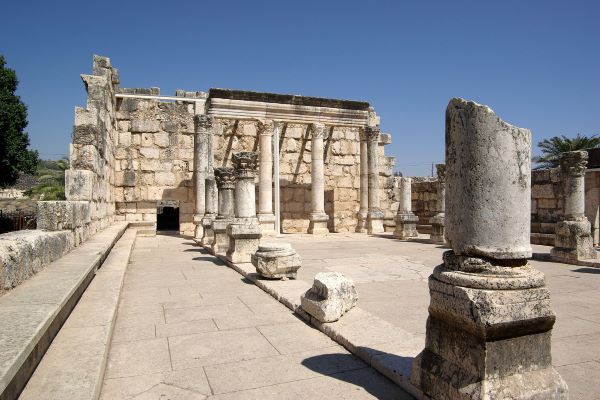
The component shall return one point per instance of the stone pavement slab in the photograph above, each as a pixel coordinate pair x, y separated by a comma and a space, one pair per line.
189, 327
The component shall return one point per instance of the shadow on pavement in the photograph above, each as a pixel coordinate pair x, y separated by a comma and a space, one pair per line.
588, 270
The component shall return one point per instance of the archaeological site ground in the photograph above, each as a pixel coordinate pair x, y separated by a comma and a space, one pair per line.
232, 244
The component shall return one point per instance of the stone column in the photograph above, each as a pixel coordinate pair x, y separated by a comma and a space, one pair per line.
203, 129
211, 211
225, 177
490, 321
362, 214
266, 217
375, 214
406, 221
244, 233
318, 218
438, 220
573, 239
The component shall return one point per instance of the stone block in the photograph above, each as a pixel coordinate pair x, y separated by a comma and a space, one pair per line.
142, 125
161, 139
330, 297
243, 241
79, 184
85, 157
276, 261
61, 215
149, 152
125, 138
164, 178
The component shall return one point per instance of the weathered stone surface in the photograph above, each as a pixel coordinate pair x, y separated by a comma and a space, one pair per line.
277, 261
243, 241
330, 297
79, 184
488, 162
406, 221
573, 241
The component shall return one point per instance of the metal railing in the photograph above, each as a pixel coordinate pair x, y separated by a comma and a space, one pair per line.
16, 220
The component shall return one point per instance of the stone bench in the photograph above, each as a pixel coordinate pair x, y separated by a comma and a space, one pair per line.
36, 309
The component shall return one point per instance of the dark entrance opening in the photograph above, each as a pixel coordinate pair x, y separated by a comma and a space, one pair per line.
167, 219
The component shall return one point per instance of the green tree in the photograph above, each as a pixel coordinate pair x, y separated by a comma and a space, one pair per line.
50, 180
14, 155
553, 147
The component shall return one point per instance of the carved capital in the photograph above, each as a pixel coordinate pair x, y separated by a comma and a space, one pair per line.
265, 127
372, 133
318, 130
441, 172
245, 163
573, 163
203, 122
225, 177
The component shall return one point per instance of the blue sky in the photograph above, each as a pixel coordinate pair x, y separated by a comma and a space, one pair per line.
536, 63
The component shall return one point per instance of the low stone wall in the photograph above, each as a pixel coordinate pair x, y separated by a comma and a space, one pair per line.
546, 205
424, 198
24, 253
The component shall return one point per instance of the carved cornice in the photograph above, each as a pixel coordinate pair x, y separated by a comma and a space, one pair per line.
245, 163
203, 122
318, 131
573, 163
225, 177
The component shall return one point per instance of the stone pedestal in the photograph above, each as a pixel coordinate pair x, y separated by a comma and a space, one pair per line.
406, 221
375, 214
265, 182
490, 320
208, 235
277, 261
573, 239
438, 221
244, 232
318, 218
225, 178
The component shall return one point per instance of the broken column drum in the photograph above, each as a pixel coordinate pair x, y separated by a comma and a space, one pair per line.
211, 211
266, 217
277, 261
438, 220
406, 221
244, 233
375, 214
330, 297
488, 333
225, 178
203, 130
573, 239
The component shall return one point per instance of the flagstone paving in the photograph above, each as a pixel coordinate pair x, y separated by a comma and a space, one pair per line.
189, 327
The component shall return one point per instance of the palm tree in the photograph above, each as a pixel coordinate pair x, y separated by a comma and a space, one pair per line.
50, 180
553, 147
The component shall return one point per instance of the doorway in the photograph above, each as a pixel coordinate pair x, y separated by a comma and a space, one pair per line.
167, 218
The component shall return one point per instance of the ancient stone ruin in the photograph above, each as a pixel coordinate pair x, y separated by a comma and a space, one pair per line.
490, 319
331, 296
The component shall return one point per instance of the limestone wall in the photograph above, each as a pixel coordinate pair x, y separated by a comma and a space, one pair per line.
546, 204
154, 157
424, 198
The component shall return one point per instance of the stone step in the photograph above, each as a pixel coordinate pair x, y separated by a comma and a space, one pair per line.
73, 367
38, 308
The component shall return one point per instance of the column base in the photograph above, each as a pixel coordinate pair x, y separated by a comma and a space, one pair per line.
220, 244
318, 224
208, 235
277, 261
267, 224
488, 334
375, 222
573, 241
243, 241
438, 231
199, 229
406, 226
361, 226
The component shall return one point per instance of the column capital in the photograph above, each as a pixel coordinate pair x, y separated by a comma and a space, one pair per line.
441, 172
318, 130
225, 177
372, 133
203, 122
265, 127
245, 163
573, 163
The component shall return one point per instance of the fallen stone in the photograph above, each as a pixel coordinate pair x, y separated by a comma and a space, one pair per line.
277, 261
331, 296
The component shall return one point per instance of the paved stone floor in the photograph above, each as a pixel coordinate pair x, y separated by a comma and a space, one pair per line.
391, 279
188, 327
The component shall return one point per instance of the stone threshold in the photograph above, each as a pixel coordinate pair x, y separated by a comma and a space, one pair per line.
39, 307
385, 347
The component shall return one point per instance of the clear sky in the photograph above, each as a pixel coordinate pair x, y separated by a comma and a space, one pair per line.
536, 63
